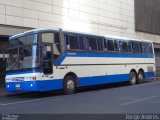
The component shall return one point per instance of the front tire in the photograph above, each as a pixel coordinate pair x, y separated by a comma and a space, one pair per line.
69, 85
133, 78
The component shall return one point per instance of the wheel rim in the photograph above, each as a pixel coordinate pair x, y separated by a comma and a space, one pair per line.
70, 85
140, 76
133, 78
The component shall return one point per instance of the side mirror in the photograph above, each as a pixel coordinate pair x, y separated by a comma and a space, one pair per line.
5, 55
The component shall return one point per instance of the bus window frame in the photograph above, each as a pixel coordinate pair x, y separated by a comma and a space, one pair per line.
41, 45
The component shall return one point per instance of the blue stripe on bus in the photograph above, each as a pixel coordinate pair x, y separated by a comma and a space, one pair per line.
46, 85
149, 74
90, 54
97, 80
42, 85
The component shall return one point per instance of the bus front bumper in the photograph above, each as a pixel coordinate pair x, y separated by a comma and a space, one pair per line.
31, 86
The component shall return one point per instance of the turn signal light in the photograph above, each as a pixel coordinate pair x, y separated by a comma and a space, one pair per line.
33, 78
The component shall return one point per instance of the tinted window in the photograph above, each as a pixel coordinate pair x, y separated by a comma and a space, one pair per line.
129, 47
83, 43
105, 45
110, 44
92, 43
144, 48
72, 42
124, 47
149, 48
136, 47
100, 44
116, 46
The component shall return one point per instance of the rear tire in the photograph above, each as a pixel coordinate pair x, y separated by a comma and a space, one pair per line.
132, 78
69, 85
140, 77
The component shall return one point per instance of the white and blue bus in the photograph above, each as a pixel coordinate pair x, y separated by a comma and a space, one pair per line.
46, 59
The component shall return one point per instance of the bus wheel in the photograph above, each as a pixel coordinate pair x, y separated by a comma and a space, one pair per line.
69, 85
140, 77
132, 78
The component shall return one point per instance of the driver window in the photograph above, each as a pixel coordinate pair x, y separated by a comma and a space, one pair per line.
47, 37
54, 39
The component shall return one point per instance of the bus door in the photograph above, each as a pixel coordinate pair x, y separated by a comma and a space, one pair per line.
47, 58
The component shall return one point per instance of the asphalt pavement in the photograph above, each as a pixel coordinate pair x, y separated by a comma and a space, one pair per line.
107, 99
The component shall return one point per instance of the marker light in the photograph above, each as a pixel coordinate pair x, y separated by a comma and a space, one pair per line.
33, 78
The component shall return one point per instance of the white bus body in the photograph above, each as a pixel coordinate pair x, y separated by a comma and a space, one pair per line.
114, 59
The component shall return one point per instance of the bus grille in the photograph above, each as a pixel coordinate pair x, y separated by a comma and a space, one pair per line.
17, 79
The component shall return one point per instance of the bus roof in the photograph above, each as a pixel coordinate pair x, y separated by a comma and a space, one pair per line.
68, 31
31, 32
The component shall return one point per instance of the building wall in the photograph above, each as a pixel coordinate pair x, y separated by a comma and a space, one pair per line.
113, 17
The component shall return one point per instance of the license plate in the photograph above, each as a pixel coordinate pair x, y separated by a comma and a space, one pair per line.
18, 86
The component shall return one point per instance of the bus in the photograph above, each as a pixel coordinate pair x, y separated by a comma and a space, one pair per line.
55, 59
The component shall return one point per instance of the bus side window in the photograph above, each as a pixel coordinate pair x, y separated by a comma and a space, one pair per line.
120, 46
83, 43
116, 45
100, 44
124, 47
144, 47
136, 47
129, 46
105, 45
72, 42
149, 48
110, 44
92, 44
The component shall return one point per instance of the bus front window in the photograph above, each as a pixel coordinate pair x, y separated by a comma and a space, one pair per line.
23, 53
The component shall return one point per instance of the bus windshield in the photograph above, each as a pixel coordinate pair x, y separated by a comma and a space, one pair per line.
23, 53
24, 40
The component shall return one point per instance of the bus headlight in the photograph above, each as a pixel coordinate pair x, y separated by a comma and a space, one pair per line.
7, 79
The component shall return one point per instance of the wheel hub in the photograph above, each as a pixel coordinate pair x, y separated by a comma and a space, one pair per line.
70, 85
140, 76
133, 79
